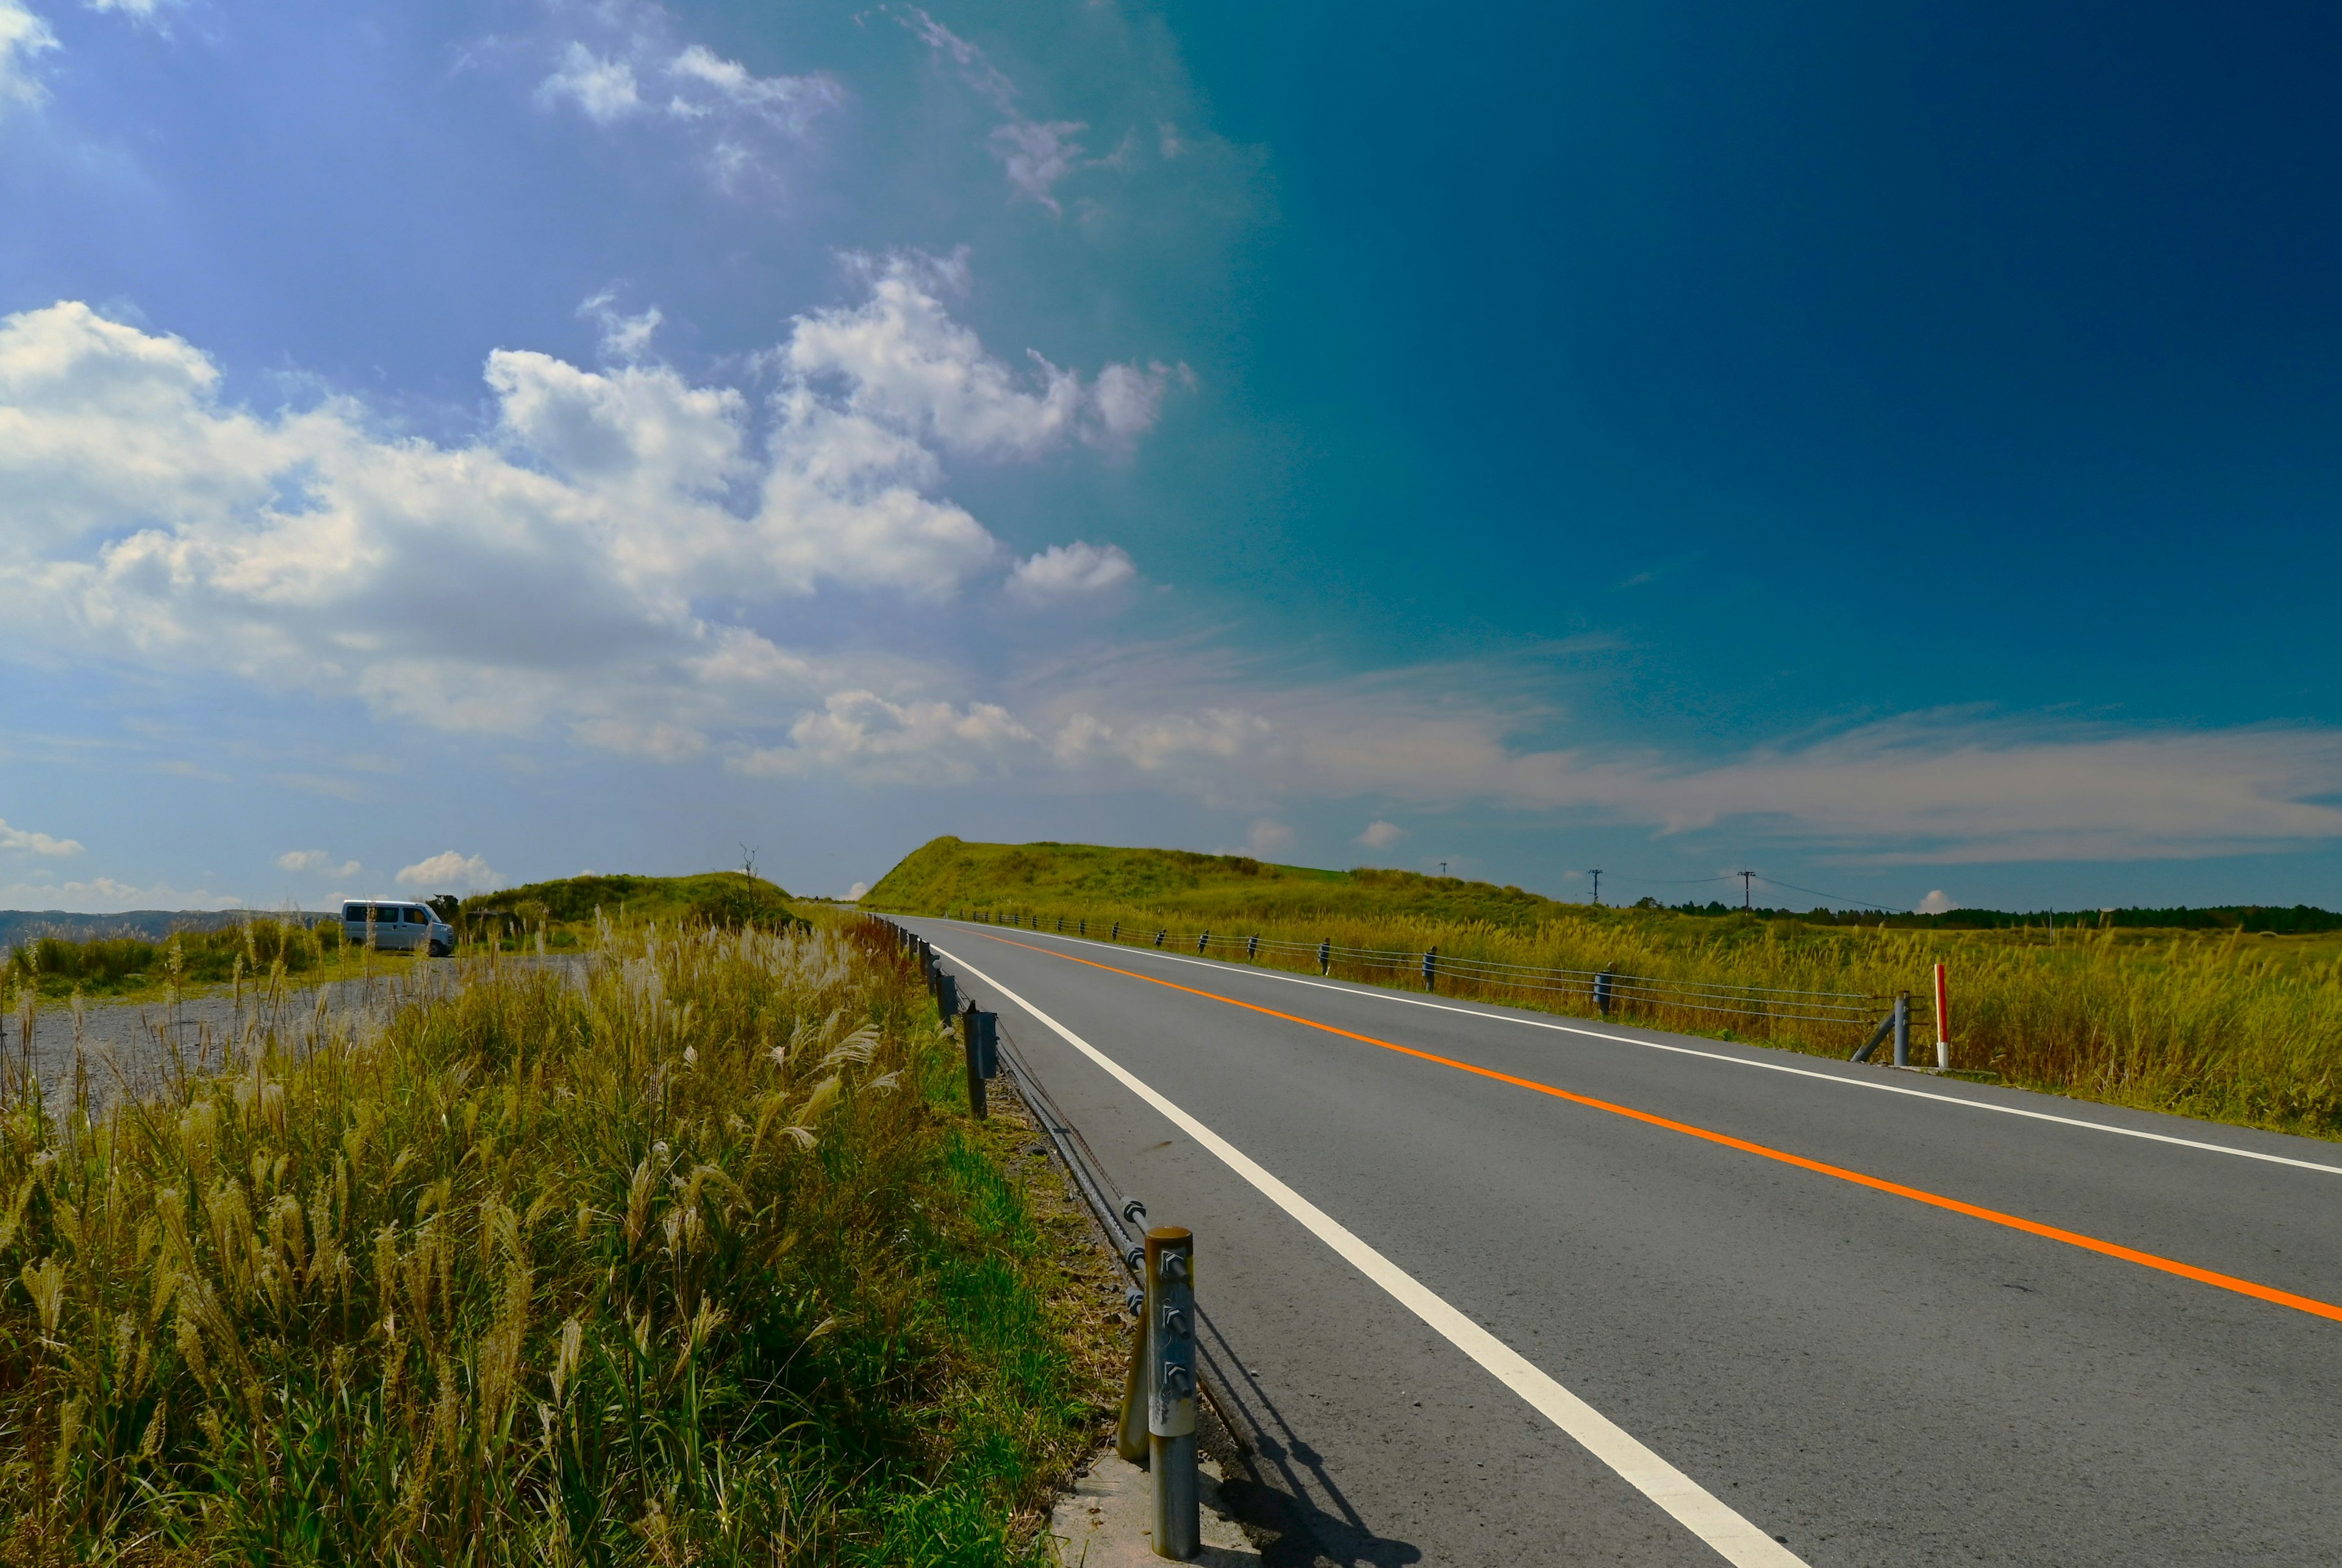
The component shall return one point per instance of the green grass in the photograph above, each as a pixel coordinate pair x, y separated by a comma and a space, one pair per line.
124, 966
701, 1263
2214, 1023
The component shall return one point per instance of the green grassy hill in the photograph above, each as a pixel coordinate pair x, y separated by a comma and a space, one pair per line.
713, 897
948, 873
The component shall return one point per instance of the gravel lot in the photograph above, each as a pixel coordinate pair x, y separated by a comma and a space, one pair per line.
125, 1047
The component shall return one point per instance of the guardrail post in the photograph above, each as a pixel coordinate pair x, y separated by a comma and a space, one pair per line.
1115, 935
1902, 1029
1326, 956
1171, 1391
1601, 990
946, 994
1159, 937
1083, 929
1431, 969
1203, 942
1252, 949
971, 1033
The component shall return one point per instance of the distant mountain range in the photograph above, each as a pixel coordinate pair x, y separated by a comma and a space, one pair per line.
19, 926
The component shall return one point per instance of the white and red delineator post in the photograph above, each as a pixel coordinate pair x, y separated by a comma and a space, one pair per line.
1943, 1023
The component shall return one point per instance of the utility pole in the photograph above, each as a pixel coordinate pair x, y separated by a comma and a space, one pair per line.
1443, 868
1748, 900
1597, 875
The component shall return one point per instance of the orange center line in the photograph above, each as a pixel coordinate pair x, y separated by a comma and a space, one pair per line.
1877, 1184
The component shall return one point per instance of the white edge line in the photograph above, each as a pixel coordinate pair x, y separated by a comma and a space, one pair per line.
1378, 994
1691, 1504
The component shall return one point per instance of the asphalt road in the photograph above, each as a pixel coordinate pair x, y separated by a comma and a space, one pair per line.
1861, 1374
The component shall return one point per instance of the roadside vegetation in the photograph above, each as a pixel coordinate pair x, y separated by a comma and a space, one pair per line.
2217, 1023
569, 916
697, 1260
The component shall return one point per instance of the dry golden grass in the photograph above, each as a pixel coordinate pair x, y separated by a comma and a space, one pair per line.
2228, 1026
698, 1261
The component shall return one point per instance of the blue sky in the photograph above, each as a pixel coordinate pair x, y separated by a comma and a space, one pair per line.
1891, 448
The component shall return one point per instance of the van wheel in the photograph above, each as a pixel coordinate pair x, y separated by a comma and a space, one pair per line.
439, 950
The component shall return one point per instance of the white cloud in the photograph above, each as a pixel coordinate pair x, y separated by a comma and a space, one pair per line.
450, 871
141, 10
856, 891
24, 37
604, 90
909, 367
1063, 570
317, 861
24, 841
1382, 835
1268, 839
1937, 902
553, 569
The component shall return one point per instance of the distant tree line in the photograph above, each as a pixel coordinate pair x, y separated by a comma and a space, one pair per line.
2250, 918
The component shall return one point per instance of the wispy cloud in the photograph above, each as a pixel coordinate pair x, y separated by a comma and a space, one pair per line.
107, 896
1034, 155
316, 862
24, 841
23, 38
626, 62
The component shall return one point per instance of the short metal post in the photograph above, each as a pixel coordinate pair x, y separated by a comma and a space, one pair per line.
1431, 969
1203, 942
1944, 1020
1902, 1029
1084, 929
1115, 935
946, 994
974, 1052
1326, 956
1171, 1393
1159, 937
1252, 948
1602, 990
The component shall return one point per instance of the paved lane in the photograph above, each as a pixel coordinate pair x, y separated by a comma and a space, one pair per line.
1874, 1379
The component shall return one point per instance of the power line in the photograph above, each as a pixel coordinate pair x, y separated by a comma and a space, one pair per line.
1818, 893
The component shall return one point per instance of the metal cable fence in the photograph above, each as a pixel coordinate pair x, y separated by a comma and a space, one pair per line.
1605, 991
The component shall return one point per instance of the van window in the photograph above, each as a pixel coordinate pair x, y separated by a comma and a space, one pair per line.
384, 914
417, 916
354, 912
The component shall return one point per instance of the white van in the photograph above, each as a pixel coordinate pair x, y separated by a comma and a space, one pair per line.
397, 928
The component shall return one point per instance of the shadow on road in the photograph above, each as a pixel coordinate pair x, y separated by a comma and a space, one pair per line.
1279, 1485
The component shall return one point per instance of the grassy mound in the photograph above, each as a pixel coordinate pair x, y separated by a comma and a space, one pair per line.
695, 1263
728, 898
949, 872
